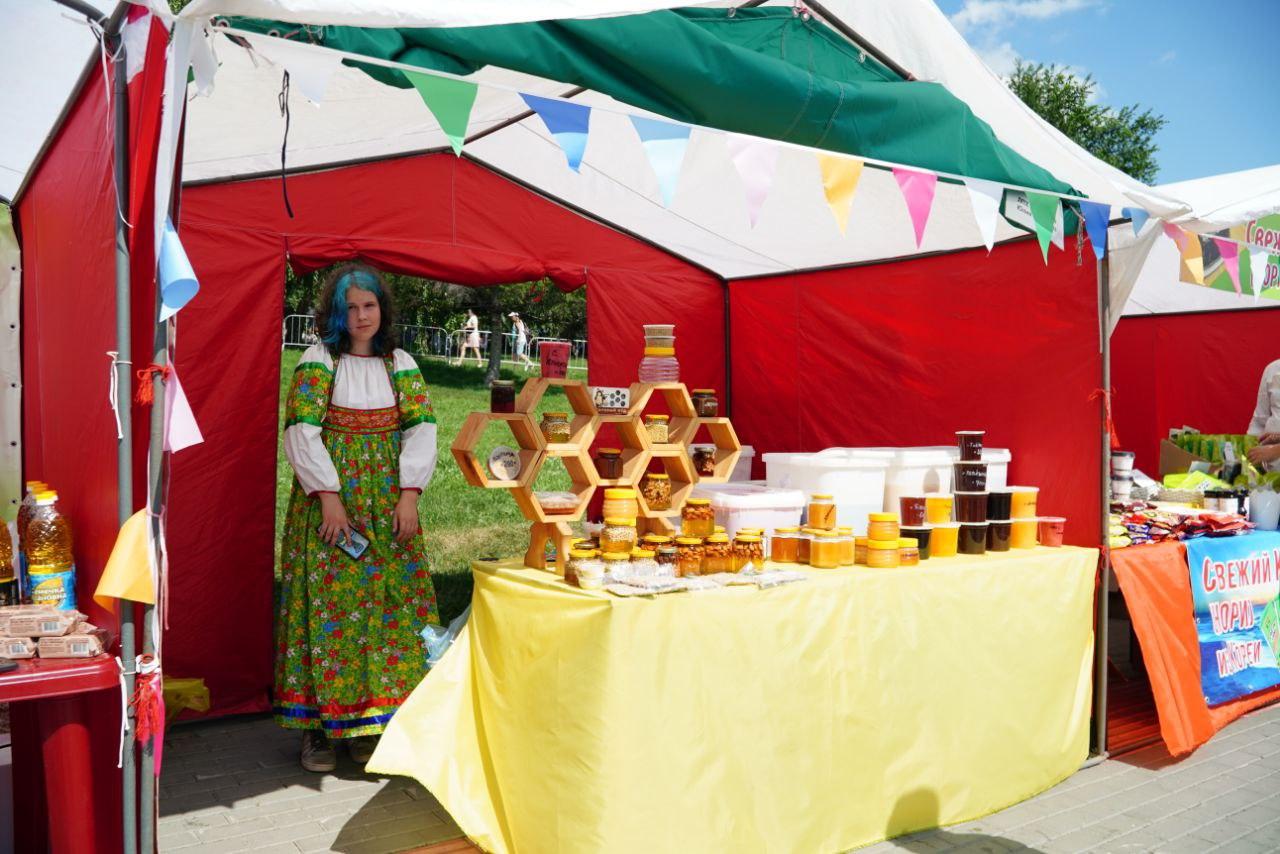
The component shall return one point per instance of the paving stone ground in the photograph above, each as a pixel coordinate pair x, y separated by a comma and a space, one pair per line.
235, 785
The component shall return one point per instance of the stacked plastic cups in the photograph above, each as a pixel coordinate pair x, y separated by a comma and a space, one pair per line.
1121, 476
659, 364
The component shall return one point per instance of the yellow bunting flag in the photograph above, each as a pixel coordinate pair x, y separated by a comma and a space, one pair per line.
1191, 266
839, 181
128, 572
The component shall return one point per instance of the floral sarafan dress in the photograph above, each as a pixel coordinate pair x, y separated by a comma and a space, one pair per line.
348, 644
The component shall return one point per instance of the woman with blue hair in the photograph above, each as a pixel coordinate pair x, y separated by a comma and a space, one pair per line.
361, 436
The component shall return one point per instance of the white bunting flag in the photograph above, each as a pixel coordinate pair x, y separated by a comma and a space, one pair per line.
1257, 271
309, 69
757, 163
985, 196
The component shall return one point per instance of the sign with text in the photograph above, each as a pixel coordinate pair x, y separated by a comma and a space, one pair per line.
1235, 582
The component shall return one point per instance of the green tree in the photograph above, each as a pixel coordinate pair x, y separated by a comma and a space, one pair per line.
1123, 137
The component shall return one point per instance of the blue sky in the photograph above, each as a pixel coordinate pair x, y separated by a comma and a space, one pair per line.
1211, 68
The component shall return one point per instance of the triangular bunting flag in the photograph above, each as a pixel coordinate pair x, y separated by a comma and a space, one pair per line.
1096, 218
134, 33
839, 181
127, 574
177, 278
1191, 268
449, 100
1176, 234
757, 163
1045, 210
985, 196
1257, 271
566, 121
180, 428
664, 144
1137, 216
1230, 252
309, 69
917, 190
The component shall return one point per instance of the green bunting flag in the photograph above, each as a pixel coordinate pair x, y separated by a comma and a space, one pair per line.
1044, 210
449, 100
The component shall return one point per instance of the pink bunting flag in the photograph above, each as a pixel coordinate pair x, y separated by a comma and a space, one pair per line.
1230, 252
917, 190
1176, 234
756, 163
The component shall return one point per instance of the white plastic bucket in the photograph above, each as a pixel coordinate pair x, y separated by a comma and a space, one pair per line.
742, 468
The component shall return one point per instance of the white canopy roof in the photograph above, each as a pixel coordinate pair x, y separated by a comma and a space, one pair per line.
236, 131
1218, 202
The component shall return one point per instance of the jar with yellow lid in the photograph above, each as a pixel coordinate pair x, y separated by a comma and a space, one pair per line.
717, 555
620, 503
656, 489
719, 529
751, 532
748, 549
697, 519
555, 427
688, 556
822, 512
860, 551
824, 550
609, 463
617, 565
848, 556
784, 547
618, 536
668, 558
805, 543
908, 551
643, 563
659, 429
883, 527
883, 554
585, 568
652, 541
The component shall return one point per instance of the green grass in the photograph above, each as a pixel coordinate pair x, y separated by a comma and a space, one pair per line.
461, 523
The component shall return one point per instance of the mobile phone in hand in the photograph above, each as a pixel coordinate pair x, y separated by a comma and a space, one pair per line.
354, 546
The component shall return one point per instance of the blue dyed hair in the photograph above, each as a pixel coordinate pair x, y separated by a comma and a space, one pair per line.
331, 312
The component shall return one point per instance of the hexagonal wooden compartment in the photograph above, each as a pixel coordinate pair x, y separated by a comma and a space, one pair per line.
528, 438
675, 463
581, 426
583, 480
679, 407
728, 448
633, 440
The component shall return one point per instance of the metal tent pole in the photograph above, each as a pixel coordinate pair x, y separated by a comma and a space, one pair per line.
1102, 610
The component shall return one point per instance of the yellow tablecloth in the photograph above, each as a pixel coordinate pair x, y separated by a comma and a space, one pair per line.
817, 716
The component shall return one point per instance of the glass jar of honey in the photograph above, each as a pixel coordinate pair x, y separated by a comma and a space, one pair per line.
908, 552
618, 536
609, 463
643, 563
824, 550
697, 519
688, 556
656, 489
502, 396
883, 527
748, 550
784, 547
555, 427
848, 553
620, 503
804, 544
717, 555
704, 460
659, 428
705, 402
668, 559
822, 512
883, 554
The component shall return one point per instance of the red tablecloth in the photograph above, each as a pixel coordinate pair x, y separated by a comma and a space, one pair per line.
1156, 585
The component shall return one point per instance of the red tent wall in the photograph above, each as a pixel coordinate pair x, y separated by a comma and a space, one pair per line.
905, 353
435, 216
1198, 369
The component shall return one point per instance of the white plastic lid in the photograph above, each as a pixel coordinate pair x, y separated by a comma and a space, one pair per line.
748, 496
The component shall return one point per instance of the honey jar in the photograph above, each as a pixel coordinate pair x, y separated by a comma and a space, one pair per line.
620, 503
822, 512
748, 549
618, 536
824, 550
883, 527
656, 489
717, 555
555, 427
848, 554
785, 545
883, 554
688, 556
908, 551
658, 428
697, 519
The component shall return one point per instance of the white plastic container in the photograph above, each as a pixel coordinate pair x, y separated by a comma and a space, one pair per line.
747, 505
742, 468
917, 471
854, 477
1264, 510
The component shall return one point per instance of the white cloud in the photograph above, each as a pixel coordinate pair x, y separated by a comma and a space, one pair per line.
1167, 56
1000, 58
997, 14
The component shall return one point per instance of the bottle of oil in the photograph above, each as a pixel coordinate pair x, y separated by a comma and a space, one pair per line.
50, 570
8, 584
25, 511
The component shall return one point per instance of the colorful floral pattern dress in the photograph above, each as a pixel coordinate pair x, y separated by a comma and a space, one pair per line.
348, 644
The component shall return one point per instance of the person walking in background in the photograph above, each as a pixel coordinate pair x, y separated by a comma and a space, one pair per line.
360, 434
522, 340
1265, 423
470, 339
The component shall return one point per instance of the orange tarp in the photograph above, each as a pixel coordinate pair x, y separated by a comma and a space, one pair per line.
1157, 589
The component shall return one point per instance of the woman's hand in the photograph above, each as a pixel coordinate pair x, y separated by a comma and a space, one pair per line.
1263, 454
404, 521
335, 522
1269, 439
